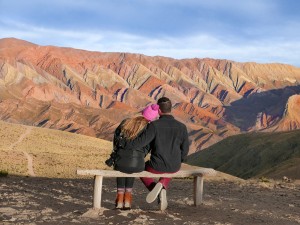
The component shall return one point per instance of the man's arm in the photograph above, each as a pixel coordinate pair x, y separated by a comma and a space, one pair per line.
184, 145
143, 139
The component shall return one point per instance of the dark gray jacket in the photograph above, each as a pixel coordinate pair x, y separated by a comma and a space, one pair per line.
169, 144
131, 160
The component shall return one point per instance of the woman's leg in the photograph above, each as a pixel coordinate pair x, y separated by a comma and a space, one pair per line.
129, 181
120, 192
121, 183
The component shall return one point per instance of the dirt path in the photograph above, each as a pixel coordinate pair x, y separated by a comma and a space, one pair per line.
27, 132
28, 156
29, 164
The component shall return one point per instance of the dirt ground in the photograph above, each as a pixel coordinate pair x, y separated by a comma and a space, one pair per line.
29, 200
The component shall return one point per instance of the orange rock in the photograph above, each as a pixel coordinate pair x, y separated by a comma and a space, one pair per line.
91, 92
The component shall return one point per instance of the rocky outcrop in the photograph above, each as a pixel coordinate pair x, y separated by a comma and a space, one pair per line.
291, 115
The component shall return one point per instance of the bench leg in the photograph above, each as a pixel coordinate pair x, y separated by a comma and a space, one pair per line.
198, 190
97, 192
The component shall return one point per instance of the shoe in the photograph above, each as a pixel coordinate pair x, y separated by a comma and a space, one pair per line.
163, 200
127, 201
120, 200
154, 193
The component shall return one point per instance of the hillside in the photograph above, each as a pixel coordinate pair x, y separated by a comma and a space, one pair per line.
254, 154
31, 151
42, 152
90, 93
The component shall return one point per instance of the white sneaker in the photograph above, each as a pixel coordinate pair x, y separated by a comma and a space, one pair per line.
163, 200
154, 193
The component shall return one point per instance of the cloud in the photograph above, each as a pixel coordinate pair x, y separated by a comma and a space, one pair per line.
152, 18
45, 36
199, 46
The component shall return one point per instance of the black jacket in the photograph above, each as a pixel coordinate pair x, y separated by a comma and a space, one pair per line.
131, 160
169, 144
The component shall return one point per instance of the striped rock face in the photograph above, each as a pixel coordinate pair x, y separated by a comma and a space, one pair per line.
91, 92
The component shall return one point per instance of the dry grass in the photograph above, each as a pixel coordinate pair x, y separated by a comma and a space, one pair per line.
13, 162
55, 153
10, 133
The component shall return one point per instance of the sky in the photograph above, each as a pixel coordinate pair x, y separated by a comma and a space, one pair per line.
263, 31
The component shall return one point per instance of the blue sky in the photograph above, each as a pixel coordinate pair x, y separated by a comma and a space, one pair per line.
263, 31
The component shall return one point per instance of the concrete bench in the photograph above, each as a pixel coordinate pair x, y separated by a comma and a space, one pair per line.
198, 173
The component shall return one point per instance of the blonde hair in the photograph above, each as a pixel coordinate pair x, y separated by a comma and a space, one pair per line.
133, 126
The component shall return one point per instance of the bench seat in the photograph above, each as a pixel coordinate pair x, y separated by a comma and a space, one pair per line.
198, 173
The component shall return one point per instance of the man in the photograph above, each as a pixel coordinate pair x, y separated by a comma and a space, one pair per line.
168, 139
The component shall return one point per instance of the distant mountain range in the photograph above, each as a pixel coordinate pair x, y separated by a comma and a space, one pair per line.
91, 92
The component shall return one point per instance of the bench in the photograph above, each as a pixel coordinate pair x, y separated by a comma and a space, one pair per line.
197, 173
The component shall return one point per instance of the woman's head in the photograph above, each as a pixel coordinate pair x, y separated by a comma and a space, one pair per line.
133, 126
151, 112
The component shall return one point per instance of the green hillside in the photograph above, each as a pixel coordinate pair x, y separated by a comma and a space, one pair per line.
250, 155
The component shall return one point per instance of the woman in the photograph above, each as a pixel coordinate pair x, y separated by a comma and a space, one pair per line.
130, 161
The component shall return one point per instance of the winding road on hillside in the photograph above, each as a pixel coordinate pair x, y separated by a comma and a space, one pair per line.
28, 156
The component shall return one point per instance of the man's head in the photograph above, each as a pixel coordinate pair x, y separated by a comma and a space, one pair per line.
165, 105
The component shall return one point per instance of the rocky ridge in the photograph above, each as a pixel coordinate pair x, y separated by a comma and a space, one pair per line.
91, 92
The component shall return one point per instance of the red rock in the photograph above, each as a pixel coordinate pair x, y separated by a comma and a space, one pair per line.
91, 92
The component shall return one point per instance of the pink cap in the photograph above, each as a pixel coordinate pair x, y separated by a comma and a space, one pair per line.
151, 112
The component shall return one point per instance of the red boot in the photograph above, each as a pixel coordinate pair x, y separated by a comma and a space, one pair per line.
120, 200
127, 200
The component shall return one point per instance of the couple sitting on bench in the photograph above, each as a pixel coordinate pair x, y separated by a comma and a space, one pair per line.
166, 138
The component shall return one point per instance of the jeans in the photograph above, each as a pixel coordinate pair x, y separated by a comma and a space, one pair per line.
150, 182
125, 182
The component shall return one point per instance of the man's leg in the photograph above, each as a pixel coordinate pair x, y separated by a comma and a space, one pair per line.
148, 181
162, 201
165, 181
157, 188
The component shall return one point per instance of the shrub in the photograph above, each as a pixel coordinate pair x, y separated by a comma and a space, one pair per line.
3, 173
264, 179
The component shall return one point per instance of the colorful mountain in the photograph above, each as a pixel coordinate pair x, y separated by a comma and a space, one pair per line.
92, 92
